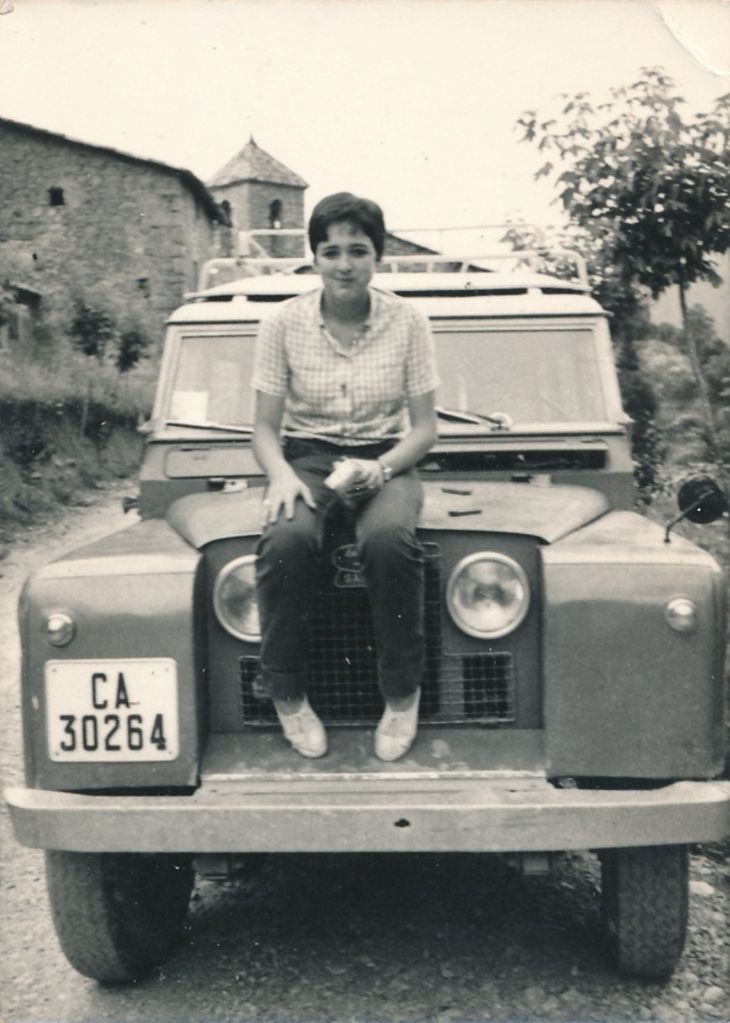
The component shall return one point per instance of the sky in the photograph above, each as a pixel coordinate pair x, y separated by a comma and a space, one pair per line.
413, 103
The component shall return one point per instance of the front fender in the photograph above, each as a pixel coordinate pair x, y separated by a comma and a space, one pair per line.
130, 595
625, 695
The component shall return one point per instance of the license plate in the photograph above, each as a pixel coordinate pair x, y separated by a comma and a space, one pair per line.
112, 710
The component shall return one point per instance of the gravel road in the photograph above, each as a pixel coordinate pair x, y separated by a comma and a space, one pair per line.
361, 938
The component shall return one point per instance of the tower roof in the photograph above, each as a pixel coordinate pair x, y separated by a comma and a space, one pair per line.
254, 164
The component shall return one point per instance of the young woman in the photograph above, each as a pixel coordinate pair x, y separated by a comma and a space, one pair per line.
344, 371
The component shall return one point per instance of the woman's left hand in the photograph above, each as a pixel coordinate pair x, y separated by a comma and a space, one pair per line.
369, 481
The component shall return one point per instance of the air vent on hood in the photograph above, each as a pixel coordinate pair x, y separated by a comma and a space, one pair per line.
517, 460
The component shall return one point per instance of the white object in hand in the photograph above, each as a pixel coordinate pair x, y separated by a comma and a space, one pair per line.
346, 472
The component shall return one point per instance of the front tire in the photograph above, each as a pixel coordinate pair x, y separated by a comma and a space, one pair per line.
644, 895
117, 915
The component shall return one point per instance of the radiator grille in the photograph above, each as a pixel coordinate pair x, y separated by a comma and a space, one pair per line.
342, 670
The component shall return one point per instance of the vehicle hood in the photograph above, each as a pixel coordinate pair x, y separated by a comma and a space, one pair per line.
544, 511
548, 513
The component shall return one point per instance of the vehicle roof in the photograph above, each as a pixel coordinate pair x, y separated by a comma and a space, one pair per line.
438, 295
287, 284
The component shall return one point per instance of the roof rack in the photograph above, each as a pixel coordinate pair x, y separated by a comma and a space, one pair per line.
254, 258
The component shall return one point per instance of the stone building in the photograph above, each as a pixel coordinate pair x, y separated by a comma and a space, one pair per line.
76, 217
79, 220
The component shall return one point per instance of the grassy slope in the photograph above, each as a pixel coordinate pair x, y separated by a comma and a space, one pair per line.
65, 427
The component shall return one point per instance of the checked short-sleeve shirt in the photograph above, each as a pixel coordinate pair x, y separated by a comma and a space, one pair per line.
347, 396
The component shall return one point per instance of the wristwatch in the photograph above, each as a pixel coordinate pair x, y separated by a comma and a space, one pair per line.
387, 470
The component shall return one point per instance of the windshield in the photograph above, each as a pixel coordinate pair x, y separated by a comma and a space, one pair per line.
547, 375
211, 381
533, 376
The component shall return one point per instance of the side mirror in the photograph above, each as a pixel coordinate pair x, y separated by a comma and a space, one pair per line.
701, 499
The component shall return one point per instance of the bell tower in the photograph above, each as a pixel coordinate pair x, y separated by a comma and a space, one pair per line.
258, 191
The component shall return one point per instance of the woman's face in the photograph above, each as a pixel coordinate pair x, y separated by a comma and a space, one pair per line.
346, 262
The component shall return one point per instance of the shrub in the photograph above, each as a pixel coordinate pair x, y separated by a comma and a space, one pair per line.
101, 327
670, 372
92, 329
685, 425
133, 344
639, 401
669, 334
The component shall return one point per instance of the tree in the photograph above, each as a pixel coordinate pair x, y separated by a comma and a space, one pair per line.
626, 302
650, 189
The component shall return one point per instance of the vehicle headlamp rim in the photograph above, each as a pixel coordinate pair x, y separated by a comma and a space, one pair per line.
220, 579
503, 559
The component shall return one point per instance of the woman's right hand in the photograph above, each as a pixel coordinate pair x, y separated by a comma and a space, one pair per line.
283, 491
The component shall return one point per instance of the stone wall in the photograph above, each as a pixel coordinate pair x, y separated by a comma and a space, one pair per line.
73, 217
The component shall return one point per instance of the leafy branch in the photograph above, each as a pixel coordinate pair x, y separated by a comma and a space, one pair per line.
646, 190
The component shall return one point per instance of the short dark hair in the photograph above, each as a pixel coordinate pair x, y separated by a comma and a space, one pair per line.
344, 207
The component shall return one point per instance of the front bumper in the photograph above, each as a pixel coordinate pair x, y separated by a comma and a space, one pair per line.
383, 813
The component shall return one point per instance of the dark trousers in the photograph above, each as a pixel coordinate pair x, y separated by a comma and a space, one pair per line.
288, 569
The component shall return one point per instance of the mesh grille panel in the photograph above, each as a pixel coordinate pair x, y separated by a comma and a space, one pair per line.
342, 676
342, 669
489, 687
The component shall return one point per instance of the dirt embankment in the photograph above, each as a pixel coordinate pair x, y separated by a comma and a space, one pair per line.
53, 454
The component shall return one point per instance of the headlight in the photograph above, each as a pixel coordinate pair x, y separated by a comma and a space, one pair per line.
60, 628
488, 595
681, 615
234, 599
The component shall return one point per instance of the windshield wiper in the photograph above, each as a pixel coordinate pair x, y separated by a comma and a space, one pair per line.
222, 427
500, 420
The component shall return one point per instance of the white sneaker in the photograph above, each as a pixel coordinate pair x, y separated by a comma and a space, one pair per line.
396, 731
303, 730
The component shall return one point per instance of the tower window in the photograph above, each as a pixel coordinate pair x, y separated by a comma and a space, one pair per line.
275, 213
55, 197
